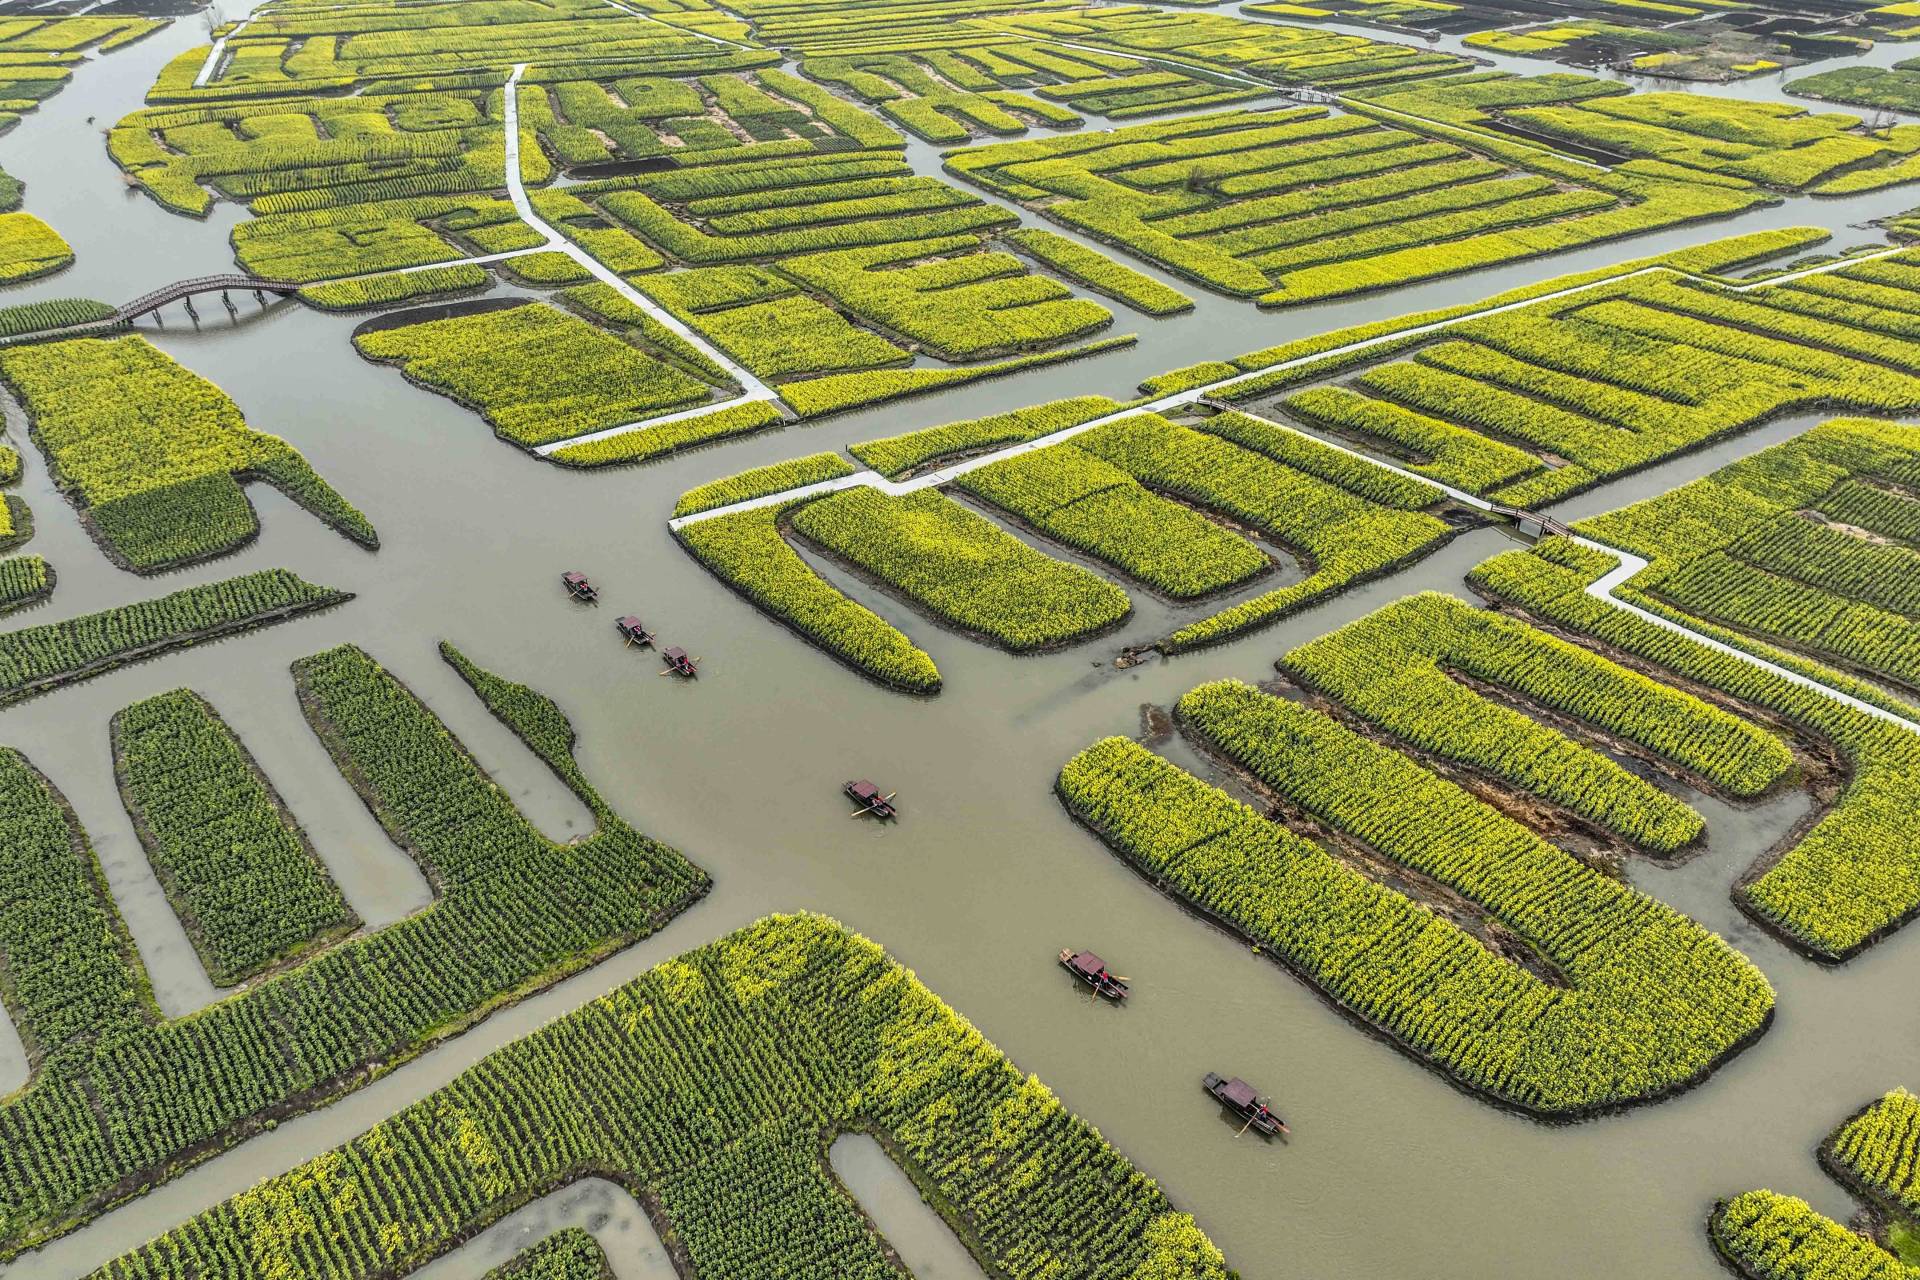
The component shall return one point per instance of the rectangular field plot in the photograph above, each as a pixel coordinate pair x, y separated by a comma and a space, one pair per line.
1296, 205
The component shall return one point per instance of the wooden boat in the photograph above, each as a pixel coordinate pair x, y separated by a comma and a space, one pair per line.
632, 632
578, 587
1237, 1096
678, 663
868, 797
1089, 968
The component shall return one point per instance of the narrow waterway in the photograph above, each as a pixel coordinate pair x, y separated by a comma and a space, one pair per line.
1390, 1171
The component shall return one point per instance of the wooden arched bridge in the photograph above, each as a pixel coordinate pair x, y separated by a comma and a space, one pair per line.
187, 290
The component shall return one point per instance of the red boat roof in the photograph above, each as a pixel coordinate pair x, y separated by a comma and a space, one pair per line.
574, 575
629, 623
675, 652
863, 789
1088, 963
1239, 1093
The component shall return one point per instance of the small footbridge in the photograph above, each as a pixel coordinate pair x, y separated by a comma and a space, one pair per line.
187, 290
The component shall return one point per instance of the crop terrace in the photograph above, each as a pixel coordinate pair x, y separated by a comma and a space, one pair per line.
711, 1086
121, 1098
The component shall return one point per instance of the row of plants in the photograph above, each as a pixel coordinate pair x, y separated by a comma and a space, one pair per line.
837, 392
608, 306
29, 249
123, 1099
36, 659
152, 452
712, 1085
961, 308
1075, 498
647, 441
774, 478
24, 580
53, 313
1643, 1001
1397, 668
1849, 878
1100, 273
537, 373
372, 236
1342, 537
570, 1253
1767, 1236
1731, 547
962, 567
371, 292
745, 550
237, 869
1449, 453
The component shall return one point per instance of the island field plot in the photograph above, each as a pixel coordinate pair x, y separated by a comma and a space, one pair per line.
1765, 1235
1530, 405
1526, 975
712, 1087
120, 1097
1840, 29
152, 454
1297, 205
1702, 50
1188, 511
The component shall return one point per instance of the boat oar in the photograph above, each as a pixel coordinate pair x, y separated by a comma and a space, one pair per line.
1243, 1128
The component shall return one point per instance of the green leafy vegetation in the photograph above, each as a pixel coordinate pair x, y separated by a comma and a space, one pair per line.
568, 1254
233, 863
761, 481
1848, 879
897, 456
745, 550
807, 1030
537, 373
36, 659
29, 249
1073, 496
652, 441
153, 453
24, 580
121, 1099
370, 292
1643, 1002
1401, 667
54, 313
963, 567
1101, 273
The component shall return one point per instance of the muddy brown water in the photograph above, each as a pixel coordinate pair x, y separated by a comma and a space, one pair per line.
1390, 1171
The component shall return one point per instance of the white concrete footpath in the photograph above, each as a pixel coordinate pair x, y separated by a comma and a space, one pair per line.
517, 192
218, 51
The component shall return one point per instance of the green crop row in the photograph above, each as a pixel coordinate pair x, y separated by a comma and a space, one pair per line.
1449, 453
16, 522
1304, 453
1852, 876
797, 335
816, 397
1342, 536
29, 249
372, 292
1396, 667
897, 456
35, 659
963, 568
153, 452
1101, 273
537, 373
568, 1254
645, 443
235, 866
24, 580
804, 1029
608, 305
54, 313
777, 477
1647, 1002
122, 1099
1732, 547
1074, 497
745, 551
958, 321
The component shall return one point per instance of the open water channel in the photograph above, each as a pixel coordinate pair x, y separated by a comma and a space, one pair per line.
1390, 1170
